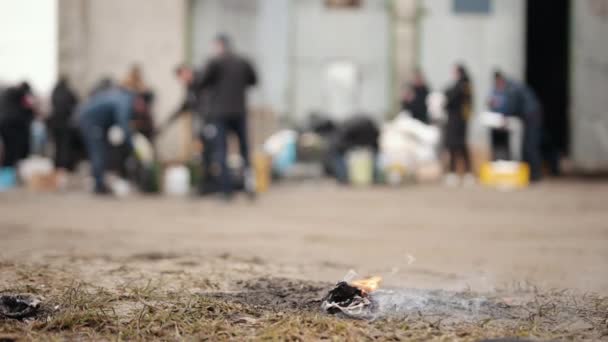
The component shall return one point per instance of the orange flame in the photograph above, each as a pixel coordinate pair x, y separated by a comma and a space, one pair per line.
367, 285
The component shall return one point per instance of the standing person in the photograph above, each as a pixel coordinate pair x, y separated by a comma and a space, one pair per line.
191, 103
143, 122
63, 101
531, 110
16, 116
194, 104
227, 76
185, 74
459, 106
414, 99
96, 116
503, 100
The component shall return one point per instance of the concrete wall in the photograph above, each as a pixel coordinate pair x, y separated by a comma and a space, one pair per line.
589, 89
322, 35
103, 38
28, 43
292, 42
259, 30
481, 41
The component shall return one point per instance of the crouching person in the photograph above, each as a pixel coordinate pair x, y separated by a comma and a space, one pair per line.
113, 107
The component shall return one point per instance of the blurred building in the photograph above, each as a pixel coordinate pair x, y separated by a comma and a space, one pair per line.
557, 46
341, 56
295, 45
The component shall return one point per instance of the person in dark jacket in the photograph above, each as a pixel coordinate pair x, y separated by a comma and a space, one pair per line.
227, 77
459, 106
358, 131
516, 99
531, 110
191, 102
113, 107
16, 116
194, 103
63, 101
414, 99
503, 100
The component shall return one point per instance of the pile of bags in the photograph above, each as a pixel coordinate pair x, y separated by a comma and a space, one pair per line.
409, 149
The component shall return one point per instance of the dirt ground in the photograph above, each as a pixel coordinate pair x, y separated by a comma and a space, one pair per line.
546, 247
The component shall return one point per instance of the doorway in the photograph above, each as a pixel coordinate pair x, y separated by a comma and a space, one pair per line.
548, 67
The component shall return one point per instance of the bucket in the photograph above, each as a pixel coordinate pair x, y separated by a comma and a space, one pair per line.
8, 178
505, 175
262, 165
177, 181
360, 163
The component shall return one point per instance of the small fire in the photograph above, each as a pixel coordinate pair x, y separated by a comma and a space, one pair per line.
367, 285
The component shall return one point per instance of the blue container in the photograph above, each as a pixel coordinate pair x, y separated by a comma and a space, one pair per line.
286, 158
8, 178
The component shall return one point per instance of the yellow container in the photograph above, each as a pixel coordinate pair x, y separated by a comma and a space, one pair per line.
262, 165
505, 174
360, 164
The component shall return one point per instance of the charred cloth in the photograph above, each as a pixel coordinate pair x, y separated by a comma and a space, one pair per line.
348, 300
18, 306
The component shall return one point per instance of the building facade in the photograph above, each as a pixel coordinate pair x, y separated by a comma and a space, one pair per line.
339, 56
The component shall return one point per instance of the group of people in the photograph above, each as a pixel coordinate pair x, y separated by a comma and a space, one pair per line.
507, 98
75, 128
216, 94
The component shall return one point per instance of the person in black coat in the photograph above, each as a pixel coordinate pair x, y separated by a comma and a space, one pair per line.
459, 107
414, 99
64, 102
227, 77
194, 103
16, 116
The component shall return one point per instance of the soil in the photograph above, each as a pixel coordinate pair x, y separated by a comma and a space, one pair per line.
459, 264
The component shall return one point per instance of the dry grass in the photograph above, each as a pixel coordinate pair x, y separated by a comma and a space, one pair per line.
153, 311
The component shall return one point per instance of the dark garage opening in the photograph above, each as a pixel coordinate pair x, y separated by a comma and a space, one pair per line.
547, 66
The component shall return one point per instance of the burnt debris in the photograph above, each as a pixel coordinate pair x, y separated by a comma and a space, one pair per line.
348, 300
19, 306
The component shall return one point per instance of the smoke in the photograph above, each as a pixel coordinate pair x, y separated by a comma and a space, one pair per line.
462, 299
400, 302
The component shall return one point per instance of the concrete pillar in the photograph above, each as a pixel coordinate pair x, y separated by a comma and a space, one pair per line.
72, 37
405, 45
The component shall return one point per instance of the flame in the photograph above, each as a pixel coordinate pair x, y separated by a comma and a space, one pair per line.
367, 285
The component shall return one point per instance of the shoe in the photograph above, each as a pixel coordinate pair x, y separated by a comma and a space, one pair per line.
102, 191
451, 180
